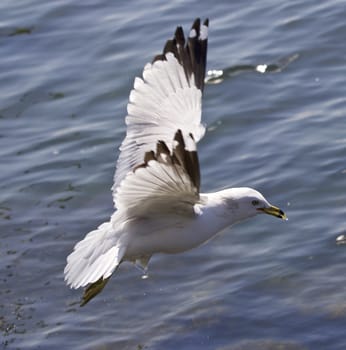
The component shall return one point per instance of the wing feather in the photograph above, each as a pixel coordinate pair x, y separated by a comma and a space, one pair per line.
167, 97
164, 182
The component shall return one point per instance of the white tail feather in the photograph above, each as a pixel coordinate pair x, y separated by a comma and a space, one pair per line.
96, 256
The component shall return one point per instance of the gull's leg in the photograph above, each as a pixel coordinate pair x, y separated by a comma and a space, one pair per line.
142, 265
93, 289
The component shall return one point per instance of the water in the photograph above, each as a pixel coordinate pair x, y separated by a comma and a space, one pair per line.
66, 70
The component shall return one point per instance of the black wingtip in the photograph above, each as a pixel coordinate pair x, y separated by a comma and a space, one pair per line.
196, 25
187, 159
190, 53
179, 36
179, 155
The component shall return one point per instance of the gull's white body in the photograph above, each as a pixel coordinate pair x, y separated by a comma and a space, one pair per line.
136, 239
176, 233
157, 181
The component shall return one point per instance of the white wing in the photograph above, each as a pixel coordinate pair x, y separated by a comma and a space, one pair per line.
165, 182
168, 98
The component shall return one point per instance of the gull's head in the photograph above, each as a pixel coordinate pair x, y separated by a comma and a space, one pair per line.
247, 202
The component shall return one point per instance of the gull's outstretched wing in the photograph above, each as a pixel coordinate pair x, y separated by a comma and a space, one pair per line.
167, 181
166, 99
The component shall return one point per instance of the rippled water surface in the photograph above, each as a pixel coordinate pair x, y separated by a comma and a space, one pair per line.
66, 69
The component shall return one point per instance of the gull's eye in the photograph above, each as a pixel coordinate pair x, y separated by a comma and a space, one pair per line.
255, 202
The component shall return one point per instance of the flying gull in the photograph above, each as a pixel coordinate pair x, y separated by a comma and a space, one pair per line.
156, 191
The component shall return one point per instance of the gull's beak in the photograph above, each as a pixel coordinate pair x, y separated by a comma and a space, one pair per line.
274, 211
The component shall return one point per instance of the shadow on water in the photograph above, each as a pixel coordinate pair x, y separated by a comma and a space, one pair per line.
217, 76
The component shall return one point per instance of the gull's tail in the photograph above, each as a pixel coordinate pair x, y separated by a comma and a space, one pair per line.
95, 258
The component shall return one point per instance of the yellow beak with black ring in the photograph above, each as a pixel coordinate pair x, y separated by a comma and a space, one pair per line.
275, 211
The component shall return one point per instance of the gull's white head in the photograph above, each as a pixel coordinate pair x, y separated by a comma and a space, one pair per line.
244, 202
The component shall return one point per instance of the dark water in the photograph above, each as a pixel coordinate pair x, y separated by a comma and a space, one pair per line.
66, 69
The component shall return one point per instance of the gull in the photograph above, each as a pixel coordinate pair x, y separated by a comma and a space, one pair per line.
156, 191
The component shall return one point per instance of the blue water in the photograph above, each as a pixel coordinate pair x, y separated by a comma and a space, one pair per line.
66, 69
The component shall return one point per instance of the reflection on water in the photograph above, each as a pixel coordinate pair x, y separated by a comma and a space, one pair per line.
216, 76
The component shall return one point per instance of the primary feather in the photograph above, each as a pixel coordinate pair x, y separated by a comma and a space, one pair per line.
168, 98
